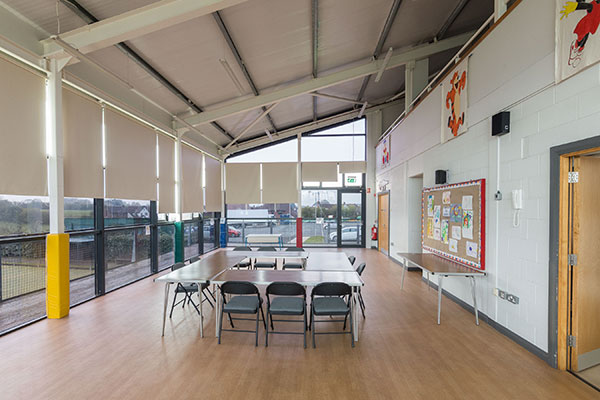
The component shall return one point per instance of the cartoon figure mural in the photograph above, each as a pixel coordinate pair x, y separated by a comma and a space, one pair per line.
456, 117
587, 25
385, 157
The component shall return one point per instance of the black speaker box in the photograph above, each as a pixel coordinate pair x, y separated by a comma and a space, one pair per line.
501, 123
440, 177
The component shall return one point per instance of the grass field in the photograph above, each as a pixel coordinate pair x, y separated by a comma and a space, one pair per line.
315, 240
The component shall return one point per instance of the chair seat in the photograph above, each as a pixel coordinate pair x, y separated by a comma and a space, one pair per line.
244, 263
329, 306
293, 265
264, 264
242, 305
287, 306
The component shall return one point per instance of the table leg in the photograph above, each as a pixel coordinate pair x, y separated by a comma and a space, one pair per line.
355, 313
440, 279
201, 310
217, 309
404, 266
165, 305
474, 293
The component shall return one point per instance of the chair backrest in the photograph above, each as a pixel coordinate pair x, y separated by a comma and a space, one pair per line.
268, 248
361, 268
294, 249
286, 289
331, 289
352, 259
242, 248
194, 259
177, 266
238, 287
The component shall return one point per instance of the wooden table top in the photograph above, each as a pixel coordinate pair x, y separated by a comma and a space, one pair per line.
305, 278
276, 253
204, 269
328, 261
435, 264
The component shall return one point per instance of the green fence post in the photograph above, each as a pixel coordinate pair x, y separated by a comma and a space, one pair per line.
179, 248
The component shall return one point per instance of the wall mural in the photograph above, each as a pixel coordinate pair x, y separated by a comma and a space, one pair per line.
577, 45
454, 103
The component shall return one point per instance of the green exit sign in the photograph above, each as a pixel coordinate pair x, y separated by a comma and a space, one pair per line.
350, 179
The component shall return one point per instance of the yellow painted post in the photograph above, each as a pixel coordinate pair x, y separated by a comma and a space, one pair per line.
57, 275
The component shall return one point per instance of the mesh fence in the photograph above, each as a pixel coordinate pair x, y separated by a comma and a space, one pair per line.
82, 267
166, 246
23, 268
127, 254
190, 239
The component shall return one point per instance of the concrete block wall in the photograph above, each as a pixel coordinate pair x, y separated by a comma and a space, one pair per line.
543, 115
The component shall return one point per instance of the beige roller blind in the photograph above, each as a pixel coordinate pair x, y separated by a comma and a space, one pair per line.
353, 167
242, 183
130, 158
166, 174
191, 165
22, 131
280, 183
319, 172
82, 130
213, 184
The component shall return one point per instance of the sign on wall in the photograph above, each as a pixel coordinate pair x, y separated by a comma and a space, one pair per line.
454, 102
383, 153
577, 40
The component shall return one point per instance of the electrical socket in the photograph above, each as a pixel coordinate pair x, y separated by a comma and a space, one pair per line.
506, 296
512, 298
502, 294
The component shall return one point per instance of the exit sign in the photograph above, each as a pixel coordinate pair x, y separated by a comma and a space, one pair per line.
350, 179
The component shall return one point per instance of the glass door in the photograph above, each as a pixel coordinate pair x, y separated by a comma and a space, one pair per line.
351, 210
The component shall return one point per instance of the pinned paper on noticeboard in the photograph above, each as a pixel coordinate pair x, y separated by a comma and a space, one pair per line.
445, 231
472, 249
467, 227
456, 232
453, 245
456, 213
467, 202
430, 200
430, 228
446, 197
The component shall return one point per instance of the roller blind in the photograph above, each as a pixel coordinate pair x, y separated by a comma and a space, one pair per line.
166, 174
242, 183
213, 184
22, 131
319, 172
353, 167
82, 141
280, 183
130, 158
191, 165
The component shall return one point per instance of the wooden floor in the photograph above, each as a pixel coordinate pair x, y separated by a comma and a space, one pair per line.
111, 348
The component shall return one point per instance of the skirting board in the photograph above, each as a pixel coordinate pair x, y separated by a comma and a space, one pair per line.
506, 332
402, 265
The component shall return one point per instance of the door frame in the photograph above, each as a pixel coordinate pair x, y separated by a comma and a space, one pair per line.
363, 210
389, 194
558, 282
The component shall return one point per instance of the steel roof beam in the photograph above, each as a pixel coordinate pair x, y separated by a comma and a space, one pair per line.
451, 18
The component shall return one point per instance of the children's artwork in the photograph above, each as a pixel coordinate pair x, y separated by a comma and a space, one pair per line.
430, 205
437, 234
437, 216
467, 202
456, 214
446, 197
467, 226
472, 249
445, 231
577, 42
453, 245
454, 103
456, 232
446, 212
430, 228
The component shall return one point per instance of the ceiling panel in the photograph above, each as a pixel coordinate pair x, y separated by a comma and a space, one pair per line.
391, 83
42, 13
472, 17
103, 9
293, 112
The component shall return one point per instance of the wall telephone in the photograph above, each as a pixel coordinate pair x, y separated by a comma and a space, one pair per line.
517, 204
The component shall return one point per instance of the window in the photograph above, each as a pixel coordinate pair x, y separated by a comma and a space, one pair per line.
119, 212
286, 151
341, 143
79, 214
21, 215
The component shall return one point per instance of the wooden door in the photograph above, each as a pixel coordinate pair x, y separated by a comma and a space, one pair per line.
585, 274
383, 218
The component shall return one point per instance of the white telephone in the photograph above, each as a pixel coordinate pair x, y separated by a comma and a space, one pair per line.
517, 204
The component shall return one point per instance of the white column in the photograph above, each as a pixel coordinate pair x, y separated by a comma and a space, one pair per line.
374, 131
416, 79
408, 85
178, 179
56, 183
300, 175
499, 9
222, 189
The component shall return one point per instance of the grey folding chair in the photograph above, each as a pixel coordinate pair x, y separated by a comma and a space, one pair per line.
294, 263
331, 299
352, 259
268, 263
288, 302
188, 290
246, 263
360, 270
247, 300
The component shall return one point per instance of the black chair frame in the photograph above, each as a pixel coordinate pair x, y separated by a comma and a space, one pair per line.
361, 302
331, 289
240, 288
268, 248
243, 248
188, 295
291, 249
285, 289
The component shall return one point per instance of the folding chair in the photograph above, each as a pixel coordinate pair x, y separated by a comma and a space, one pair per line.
246, 301
188, 289
330, 302
268, 263
299, 264
246, 263
352, 259
360, 270
286, 304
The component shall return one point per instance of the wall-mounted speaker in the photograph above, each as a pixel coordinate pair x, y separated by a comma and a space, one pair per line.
501, 123
441, 177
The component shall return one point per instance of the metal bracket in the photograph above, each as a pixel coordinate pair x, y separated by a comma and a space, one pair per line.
573, 259
573, 177
571, 341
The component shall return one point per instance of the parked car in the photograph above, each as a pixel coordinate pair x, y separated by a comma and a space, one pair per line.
233, 232
349, 233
